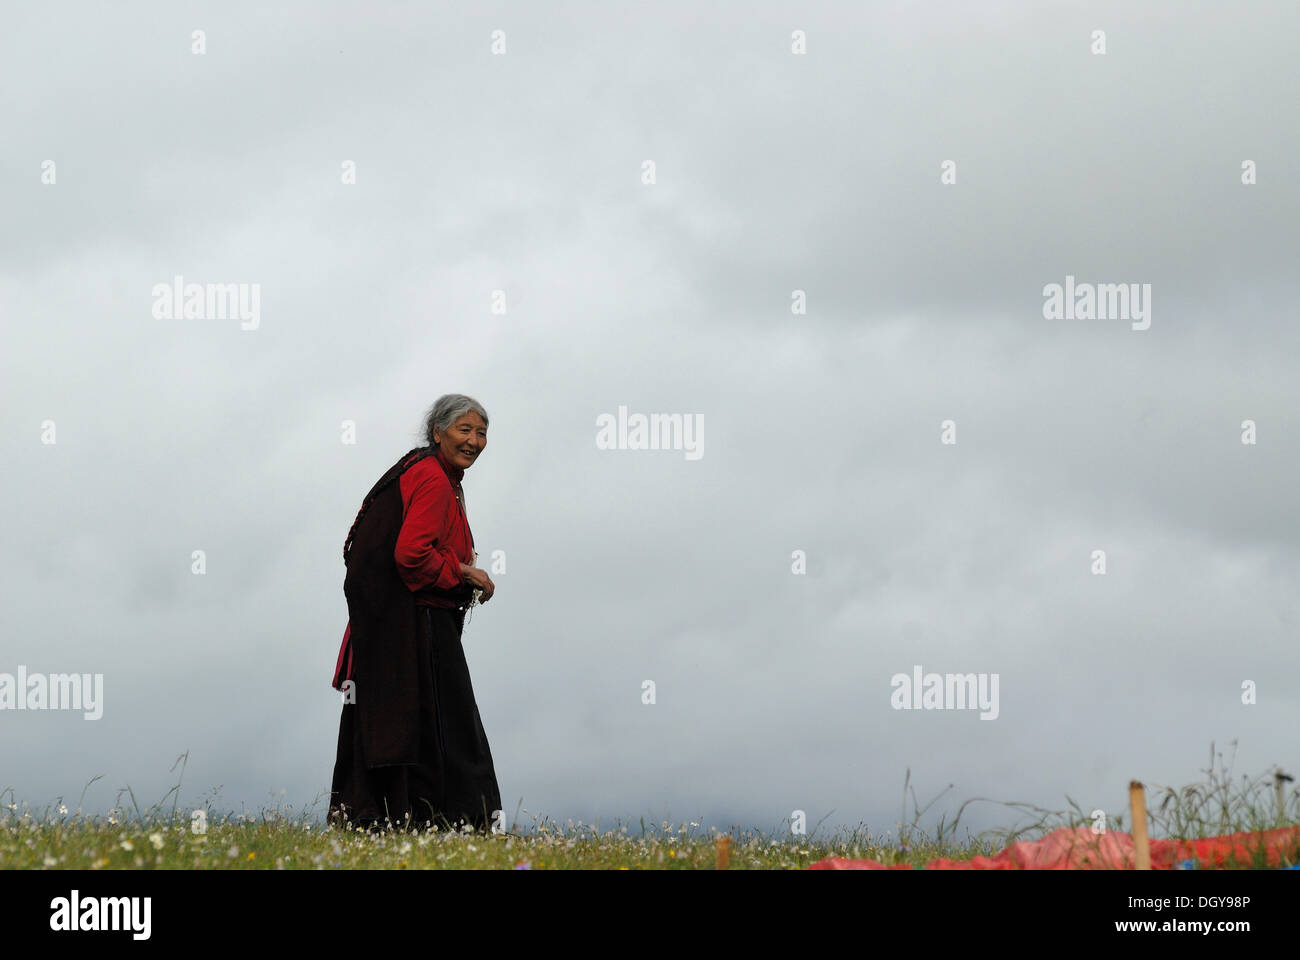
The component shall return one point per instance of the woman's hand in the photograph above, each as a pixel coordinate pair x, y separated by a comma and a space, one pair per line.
479, 579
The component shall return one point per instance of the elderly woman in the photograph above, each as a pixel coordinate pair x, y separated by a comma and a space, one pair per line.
411, 746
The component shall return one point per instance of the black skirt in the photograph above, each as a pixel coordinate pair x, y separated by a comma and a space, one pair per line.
454, 782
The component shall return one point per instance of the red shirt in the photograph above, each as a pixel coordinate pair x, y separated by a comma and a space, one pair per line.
435, 538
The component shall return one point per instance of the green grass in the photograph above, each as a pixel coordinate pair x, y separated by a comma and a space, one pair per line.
280, 838
284, 845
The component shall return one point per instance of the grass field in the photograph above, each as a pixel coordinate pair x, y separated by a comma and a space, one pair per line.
131, 838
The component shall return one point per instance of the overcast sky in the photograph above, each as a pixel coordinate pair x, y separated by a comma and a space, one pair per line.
525, 172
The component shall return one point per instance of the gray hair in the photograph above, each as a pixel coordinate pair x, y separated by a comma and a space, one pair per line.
446, 410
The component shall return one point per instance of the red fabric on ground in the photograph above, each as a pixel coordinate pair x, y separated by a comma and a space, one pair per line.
1080, 849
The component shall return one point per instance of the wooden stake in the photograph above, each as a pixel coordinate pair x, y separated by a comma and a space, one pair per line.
724, 851
1141, 845
1280, 780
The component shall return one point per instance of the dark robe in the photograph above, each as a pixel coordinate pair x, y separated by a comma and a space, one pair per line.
411, 748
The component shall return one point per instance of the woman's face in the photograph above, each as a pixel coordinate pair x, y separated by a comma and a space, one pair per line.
464, 441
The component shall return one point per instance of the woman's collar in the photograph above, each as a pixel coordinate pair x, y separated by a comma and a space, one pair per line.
455, 474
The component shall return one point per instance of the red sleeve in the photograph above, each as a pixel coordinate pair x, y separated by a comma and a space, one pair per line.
423, 558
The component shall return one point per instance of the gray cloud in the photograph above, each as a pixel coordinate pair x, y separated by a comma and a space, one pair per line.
774, 173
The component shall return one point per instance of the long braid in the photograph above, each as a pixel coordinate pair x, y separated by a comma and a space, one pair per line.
410, 457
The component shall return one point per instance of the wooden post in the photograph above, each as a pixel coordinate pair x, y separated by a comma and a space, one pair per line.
1280, 780
1141, 845
724, 851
